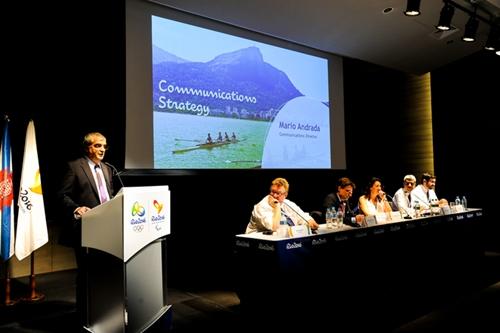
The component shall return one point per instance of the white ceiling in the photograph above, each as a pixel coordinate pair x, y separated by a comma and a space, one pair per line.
356, 28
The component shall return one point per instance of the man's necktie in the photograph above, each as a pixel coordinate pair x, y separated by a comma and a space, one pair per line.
288, 219
100, 184
342, 206
409, 198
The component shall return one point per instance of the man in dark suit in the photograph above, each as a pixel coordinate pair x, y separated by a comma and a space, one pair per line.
340, 200
86, 184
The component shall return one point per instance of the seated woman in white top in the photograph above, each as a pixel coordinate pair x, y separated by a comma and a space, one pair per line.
373, 200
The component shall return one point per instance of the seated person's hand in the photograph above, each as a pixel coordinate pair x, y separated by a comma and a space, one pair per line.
313, 224
443, 202
272, 201
360, 219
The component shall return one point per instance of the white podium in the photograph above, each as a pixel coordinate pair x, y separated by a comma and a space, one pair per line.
126, 260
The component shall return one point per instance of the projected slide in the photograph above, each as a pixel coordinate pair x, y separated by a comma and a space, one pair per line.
221, 101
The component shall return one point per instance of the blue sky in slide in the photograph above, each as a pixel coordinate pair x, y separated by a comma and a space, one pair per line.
308, 73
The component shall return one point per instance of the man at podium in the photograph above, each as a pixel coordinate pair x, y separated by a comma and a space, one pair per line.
86, 184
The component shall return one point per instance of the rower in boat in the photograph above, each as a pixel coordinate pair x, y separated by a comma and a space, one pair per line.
209, 139
205, 145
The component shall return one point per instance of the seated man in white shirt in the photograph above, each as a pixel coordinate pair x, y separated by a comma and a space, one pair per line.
424, 193
266, 214
402, 197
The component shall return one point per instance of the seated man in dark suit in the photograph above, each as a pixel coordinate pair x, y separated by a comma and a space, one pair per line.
340, 201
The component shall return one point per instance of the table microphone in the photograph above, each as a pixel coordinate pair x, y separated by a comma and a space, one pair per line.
115, 172
408, 216
302, 217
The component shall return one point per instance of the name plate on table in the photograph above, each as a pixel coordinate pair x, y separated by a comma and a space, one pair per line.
299, 230
370, 220
395, 216
382, 218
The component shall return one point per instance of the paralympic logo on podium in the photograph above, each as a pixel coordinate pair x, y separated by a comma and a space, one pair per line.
157, 219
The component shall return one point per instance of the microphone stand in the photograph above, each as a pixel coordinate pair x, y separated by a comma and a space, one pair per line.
408, 216
302, 217
115, 172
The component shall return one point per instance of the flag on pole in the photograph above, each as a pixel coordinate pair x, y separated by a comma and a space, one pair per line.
31, 223
6, 197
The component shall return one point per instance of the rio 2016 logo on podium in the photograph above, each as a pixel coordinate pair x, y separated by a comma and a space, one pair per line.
147, 215
134, 218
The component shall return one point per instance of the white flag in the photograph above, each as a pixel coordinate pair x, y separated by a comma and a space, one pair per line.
31, 223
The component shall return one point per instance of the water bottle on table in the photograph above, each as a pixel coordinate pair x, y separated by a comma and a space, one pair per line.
416, 207
329, 217
340, 219
464, 203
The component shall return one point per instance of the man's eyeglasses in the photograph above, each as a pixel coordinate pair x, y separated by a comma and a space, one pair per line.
409, 183
277, 193
99, 145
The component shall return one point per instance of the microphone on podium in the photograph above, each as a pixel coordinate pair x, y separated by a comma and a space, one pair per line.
115, 172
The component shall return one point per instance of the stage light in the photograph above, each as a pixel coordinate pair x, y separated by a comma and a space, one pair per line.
470, 29
472, 25
412, 8
492, 39
445, 17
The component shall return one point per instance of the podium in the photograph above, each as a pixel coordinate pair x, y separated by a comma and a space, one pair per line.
126, 261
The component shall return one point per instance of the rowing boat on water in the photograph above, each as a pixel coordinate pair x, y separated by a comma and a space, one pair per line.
204, 146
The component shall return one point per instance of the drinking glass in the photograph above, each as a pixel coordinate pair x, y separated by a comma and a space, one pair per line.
453, 207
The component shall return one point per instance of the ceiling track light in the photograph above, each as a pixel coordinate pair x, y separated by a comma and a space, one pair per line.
471, 28
445, 17
493, 37
412, 8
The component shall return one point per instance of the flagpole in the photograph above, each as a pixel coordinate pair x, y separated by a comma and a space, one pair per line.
6, 208
31, 224
34, 296
8, 301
